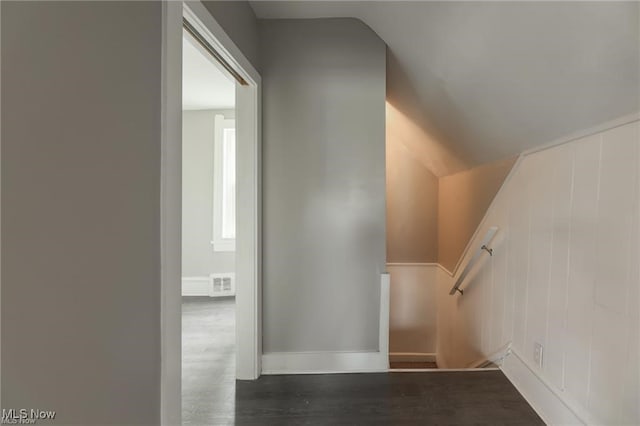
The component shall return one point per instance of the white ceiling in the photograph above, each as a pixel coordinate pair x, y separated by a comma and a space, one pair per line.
492, 79
204, 85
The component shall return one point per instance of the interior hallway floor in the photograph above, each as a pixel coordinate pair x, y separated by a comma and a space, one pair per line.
211, 396
208, 360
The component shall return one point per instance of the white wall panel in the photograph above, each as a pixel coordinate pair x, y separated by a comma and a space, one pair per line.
581, 270
616, 203
630, 409
615, 208
519, 254
565, 274
541, 236
499, 280
558, 276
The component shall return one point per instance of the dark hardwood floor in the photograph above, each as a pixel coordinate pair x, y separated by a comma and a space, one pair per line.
442, 398
211, 396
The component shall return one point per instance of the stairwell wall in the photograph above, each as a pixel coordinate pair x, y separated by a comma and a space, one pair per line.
564, 274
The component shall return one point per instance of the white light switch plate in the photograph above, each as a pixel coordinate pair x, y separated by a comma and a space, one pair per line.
537, 354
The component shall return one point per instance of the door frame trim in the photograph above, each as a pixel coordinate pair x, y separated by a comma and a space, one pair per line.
248, 219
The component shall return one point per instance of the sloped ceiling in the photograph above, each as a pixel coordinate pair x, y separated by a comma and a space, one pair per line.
491, 79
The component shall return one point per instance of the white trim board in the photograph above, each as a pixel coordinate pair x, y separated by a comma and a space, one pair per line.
548, 402
417, 265
248, 254
324, 362
411, 357
439, 370
497, 357
0, 240
171, 216
248, 184
383, 324
196, 286
204, 285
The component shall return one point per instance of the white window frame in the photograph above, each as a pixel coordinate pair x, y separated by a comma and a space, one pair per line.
218, 241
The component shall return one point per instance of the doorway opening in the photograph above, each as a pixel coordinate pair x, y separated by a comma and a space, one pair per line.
208, 285
217, 225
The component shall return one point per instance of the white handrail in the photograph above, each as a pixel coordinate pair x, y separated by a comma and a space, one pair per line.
483, 247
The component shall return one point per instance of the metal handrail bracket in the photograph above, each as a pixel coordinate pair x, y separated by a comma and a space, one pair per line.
476, 256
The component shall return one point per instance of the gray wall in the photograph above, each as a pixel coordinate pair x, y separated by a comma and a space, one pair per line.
80, 210
239, 22
323, 183
198, 257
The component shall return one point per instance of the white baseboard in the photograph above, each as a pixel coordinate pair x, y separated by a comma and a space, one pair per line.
419, 265
205, 286
324, 362
548, 402
411, 357
383, 323
196, 286
497, 357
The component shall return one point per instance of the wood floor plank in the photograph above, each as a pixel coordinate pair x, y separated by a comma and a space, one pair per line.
211, 395
450, 398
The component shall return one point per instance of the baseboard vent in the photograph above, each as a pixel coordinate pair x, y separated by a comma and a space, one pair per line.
223, 285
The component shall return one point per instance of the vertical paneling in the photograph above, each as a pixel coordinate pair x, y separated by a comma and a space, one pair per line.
581, 266
487, 309
607, 367
565, 273
540, 248
557, 297
615, 209
469, 342
499, 259
497, 299
616, 204
519, 252
509, 294
630, 409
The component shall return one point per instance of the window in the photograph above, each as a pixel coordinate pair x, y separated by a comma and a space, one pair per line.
224, 185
